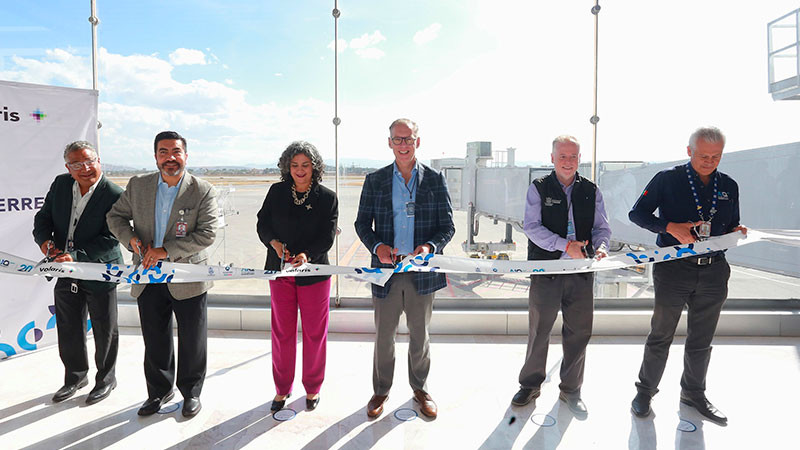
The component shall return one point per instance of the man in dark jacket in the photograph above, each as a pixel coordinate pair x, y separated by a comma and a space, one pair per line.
404, 210
694, 201
71, 226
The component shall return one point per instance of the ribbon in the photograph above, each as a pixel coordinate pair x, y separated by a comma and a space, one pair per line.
167, 272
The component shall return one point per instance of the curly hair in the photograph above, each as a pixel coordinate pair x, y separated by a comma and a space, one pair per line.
301, 148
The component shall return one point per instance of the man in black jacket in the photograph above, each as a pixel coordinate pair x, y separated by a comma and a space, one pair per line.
71, 226
694, 201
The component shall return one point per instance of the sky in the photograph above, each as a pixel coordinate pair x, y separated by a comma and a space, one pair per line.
242, 79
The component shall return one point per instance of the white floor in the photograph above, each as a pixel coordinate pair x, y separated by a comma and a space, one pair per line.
755, 381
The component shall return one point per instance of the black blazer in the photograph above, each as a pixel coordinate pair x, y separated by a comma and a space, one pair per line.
302, 230
93, 242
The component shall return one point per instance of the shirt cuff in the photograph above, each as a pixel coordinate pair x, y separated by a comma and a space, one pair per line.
375, 247
433, 246
561, 244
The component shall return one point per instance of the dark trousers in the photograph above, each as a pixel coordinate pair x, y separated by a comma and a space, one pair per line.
572, 294
71, 310
156, 306
402, 297
703, 289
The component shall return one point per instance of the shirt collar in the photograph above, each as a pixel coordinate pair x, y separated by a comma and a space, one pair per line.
92, 187
414, 169
161, 181
694, 172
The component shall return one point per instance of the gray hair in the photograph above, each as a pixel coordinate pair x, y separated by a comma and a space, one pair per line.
565, 139
78, 146
407, 122
711, 135
301, 148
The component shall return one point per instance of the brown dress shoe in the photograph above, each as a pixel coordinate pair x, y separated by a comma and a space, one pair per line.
426, 404
375, 405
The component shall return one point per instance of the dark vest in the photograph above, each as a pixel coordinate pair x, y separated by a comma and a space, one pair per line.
555, 213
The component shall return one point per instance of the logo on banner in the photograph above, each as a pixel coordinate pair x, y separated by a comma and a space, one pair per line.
9, 116
38, 115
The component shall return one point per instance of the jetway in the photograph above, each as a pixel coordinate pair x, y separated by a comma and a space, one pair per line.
769, 198
486, 186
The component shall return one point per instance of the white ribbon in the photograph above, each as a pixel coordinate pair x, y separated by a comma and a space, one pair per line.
167, 272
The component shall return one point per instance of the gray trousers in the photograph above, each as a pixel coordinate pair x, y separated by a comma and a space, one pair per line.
703, 289
572, 294
402, 297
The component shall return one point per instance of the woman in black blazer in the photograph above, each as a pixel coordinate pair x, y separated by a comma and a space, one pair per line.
297, 223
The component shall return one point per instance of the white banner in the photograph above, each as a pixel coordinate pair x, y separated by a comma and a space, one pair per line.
36, 123
166, 272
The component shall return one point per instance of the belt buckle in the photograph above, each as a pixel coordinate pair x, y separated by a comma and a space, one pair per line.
704, 260
399, 258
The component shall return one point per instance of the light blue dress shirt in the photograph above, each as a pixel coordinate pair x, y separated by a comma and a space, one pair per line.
165, 197
403, 193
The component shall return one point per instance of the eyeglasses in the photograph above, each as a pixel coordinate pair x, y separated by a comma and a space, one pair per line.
408, 140
82, 164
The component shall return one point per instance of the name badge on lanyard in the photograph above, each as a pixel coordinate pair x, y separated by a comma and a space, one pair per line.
410, 209
703, 230
181, 227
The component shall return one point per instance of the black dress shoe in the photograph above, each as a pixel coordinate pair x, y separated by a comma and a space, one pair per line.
575, 404
191, 406
278, 405
152, 405
68, 390
99, 393
704, 407
524, 396
312, 404
640, 406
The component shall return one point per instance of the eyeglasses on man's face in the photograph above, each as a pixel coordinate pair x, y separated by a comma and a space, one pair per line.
80, 165
407, 140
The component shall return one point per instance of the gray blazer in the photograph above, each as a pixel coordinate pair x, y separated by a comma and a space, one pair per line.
196, 198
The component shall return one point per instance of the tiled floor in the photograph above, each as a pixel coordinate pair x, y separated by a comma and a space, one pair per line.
753, 380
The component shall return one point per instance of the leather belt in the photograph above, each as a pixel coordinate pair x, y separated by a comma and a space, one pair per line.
705, 260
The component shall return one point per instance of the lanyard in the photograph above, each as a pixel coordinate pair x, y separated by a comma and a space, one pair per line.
697, 199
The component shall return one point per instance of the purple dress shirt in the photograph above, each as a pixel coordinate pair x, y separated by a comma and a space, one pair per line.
546, 239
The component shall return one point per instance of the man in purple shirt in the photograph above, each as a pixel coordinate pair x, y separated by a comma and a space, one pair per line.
564, 218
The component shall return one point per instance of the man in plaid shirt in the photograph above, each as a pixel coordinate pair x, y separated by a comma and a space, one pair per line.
404, 210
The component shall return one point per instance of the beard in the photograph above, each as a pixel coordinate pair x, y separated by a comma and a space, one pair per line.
170, 169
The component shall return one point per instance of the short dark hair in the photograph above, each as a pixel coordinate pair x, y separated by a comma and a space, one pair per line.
301, 148
168, 135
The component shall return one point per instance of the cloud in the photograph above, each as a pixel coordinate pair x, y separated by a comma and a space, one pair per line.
427, 34
140, 97
364, 45
367, 40
187, 57
370, 53
342, 45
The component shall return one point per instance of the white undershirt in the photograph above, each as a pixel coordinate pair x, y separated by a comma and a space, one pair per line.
78, 205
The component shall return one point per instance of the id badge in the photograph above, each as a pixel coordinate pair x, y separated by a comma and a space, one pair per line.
410, 208
704, 230
570, 229
181, 228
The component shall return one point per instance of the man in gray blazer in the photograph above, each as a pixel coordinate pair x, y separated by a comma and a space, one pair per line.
174, 218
